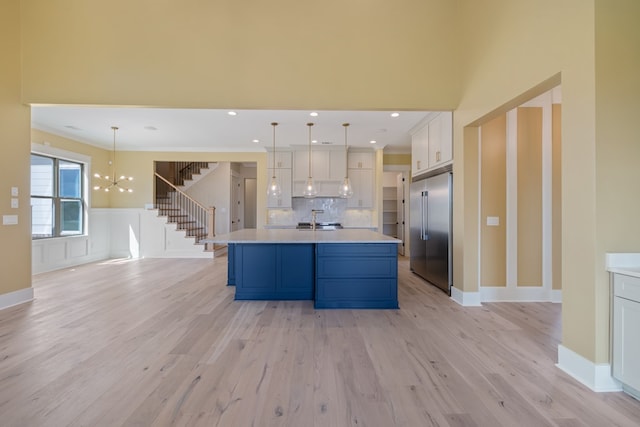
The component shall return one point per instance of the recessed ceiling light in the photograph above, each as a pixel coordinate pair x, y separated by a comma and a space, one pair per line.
232, 113
372, 142
395, 114
256, 141
313, 114
314, 141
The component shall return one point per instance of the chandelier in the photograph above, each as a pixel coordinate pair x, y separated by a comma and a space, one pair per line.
111, 182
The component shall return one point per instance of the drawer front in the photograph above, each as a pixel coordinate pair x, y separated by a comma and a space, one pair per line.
356, 249
626, 287
370, 267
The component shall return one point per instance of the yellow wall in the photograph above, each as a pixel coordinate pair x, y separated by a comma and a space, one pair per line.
505, 66
396, 159
15, 240
494, 202
529, 143
617, 148
327, 54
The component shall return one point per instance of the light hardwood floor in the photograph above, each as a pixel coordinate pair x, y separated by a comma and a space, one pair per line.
163, 343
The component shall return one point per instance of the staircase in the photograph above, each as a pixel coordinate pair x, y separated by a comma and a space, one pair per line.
173, 203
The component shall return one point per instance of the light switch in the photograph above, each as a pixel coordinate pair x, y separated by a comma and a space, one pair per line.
9, 219
14, 203
493, 221
14, 191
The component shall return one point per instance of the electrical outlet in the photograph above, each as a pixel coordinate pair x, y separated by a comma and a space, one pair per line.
14, 203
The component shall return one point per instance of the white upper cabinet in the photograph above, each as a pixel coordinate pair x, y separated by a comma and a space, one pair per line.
432, 144
440, 140
362, 184
420, 150
361, 160
337, 165
284, 179
283, 159
319, 165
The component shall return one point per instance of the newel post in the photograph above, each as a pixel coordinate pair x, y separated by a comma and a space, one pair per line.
211, 226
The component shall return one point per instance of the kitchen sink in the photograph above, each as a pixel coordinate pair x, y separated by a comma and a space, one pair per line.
319, 226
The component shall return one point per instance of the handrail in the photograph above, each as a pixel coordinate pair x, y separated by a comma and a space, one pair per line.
179, 190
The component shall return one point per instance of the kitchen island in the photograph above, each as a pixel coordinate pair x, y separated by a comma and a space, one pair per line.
349, 268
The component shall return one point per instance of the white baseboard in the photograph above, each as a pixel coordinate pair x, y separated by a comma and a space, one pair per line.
467, 299
519, 294
16, 297
596, 376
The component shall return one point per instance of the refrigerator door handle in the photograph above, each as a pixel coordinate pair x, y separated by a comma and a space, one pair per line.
425, 220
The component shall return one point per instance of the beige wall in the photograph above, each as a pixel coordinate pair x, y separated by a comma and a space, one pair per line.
328, 54
617, 148
504, 66
529, 142
493, 172
396, 159
15, 240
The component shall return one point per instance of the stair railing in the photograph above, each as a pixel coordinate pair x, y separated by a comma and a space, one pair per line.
197, 220
185, 170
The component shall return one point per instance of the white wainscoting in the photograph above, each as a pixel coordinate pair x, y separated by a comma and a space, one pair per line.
116, 233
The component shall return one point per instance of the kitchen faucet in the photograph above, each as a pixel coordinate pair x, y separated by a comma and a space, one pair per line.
314, 213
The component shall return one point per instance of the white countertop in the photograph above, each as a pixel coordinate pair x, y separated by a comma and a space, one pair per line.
252, 235
624, 263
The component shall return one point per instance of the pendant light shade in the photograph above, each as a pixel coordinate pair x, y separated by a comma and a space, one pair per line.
274, 189
345, 190
310, 189
113, 182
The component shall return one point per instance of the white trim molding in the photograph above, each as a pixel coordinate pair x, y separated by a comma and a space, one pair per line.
519, 294
596, 376
466, 299
16, 297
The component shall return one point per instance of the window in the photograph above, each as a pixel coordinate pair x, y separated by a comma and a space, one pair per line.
57, 197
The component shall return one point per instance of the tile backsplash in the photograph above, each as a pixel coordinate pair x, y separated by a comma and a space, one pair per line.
335, 210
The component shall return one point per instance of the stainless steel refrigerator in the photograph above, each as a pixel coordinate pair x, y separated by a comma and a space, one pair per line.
431, 229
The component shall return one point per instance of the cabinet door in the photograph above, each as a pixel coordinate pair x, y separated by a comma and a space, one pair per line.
362, 184
626, 341
319, 165
419, 151
337, 165
283, 159
284, 179
360, 160
440, 140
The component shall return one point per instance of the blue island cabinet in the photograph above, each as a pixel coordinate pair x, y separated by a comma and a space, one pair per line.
265, 271
356, 275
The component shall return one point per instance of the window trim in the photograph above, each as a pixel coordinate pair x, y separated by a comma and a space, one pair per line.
48, 151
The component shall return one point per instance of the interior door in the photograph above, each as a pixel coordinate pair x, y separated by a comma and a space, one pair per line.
236, 203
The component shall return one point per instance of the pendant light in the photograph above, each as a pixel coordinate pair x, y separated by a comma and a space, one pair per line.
310, 189
274, 189
111, 181
345, 191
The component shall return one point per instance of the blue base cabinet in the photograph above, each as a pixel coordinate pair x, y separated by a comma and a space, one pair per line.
356, 275
231, 270
273, 271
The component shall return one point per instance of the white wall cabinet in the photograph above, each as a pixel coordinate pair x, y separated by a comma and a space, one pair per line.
432, 144
284, 179
362, 184
319, 165
283, 175
337, 165
360, 160
626, 334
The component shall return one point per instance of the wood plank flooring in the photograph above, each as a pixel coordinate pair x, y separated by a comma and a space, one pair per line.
157, 342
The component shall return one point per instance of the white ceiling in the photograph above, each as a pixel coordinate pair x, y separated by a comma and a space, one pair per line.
160, 129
